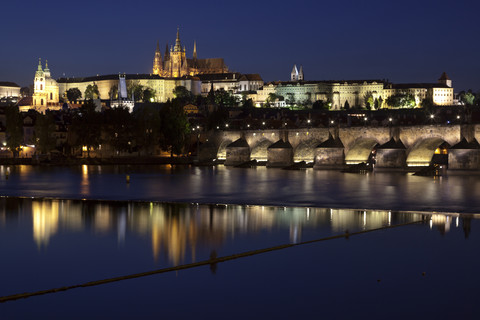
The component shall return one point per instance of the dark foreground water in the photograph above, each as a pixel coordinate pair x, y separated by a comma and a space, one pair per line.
331, 189
413, 265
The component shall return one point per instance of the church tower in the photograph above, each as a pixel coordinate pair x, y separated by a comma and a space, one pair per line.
294, 73
178, 60
157, 61
444, 79
45, 89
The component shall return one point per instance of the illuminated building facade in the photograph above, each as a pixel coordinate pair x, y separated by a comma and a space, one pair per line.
45, 90
353, 92
108, 85
233, 82
441, 92
176, 64
9, 89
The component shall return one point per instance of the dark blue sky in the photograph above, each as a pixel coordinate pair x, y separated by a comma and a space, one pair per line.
407, 41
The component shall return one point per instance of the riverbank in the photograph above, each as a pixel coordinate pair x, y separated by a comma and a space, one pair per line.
97, 161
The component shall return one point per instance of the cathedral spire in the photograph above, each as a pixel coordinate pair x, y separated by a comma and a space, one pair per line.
46, 70
178, 45
194, 50
39, 64
167, 55
157, 61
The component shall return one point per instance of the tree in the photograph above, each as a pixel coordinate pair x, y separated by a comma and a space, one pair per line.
91, 92
225, 99
86, 128
113, 92
25, 92
468, 98
401, 100
182, 94
14, 129
272, 97
427, 104
174, 127
146, 127
290, 99
118, 129
217, 118
73, 94
135, 90
346, 105
148, 95
44, 132
368, 98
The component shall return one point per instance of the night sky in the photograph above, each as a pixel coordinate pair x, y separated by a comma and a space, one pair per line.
403, 41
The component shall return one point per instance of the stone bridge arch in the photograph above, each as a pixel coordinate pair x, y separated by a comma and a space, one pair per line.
260, 148
222, 149
422, 152
360, 150
305, 150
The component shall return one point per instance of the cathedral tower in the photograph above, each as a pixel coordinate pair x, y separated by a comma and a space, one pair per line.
178, 61
157, 61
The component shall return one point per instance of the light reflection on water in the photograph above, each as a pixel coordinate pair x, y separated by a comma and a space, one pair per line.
177, 229
52, 243
260, 185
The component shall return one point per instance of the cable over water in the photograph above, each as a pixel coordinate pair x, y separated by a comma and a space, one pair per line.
212, 261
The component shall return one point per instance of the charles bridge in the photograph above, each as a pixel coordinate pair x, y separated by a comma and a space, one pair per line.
391, 147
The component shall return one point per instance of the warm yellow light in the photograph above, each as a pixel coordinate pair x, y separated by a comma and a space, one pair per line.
84, 148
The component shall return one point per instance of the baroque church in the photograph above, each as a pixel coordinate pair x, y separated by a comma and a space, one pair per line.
175, 63
45, 89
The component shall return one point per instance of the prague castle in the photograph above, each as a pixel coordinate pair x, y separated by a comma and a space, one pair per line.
202, 75
176, 64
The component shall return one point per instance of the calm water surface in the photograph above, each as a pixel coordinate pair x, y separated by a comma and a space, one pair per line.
389, 191
426, 267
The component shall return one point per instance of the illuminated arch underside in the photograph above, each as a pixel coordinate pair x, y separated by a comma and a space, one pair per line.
305, 151
259, 151
222, 150
422, 153
361, 151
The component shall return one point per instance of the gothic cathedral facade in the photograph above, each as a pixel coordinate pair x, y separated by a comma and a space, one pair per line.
175, 63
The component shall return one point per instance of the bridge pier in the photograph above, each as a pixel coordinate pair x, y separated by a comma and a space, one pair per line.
238, 152
391, 155
330, 155
464, 156
280, 154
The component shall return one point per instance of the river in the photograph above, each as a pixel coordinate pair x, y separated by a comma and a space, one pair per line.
66, 226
